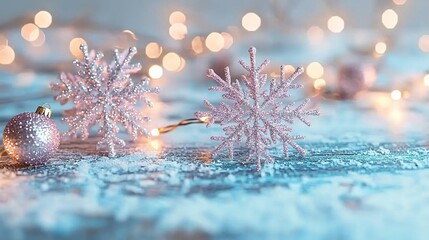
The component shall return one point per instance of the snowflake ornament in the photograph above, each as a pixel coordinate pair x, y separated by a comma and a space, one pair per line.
256, 113
105, 95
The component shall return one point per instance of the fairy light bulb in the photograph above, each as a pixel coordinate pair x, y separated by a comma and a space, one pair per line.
335, 24
215, 42
156, 72
426, 80
43, 19
380, 48
74, 47
7, 55
153, 50
204, 119
154, 132
315, 70
389, 18
396, 95
251, 21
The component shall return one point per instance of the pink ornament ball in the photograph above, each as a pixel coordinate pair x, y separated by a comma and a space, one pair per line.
31, 138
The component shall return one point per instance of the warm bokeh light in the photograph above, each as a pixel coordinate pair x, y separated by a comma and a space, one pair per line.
251, 21
204, 119
7, 55
74, 47
426, 80
424, 43
182, 64
227, 39
154, 132
396, 95
3, 42
215, 42
389, 19
43, 19
171, 61
319, 83
197, 45
153, 50
335, 24
399, 2
130, 33
315, 34
30, 32
289, 69
155, 72
380, 48
177, 17
178, 31
315, 70
40, 40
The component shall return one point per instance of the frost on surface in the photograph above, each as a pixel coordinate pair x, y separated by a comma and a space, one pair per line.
257, 112
104, 95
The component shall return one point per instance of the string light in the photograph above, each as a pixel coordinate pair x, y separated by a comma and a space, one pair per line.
335, 24
396, 95
315, 70
43, 19
157, 131
171, 61
177, 17
197, 44
380, 48
424, 43
251, 21
215, 42
30, 32
389, 18
7, 55
155, 72
74, 47
153, 50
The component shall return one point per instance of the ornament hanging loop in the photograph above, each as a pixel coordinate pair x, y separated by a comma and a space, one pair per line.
44, 110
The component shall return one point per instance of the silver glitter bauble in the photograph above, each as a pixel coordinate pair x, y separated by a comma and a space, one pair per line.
31, 137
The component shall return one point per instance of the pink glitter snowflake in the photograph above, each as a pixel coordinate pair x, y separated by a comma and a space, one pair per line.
256, 113
105, 95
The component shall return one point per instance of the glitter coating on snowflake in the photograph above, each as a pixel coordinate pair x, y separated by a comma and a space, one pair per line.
104, 94
256, 113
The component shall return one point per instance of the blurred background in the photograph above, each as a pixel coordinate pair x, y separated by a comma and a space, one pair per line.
372, 55
366, 68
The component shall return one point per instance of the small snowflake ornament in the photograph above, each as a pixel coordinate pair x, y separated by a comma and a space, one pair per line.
105, 95
257, 112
